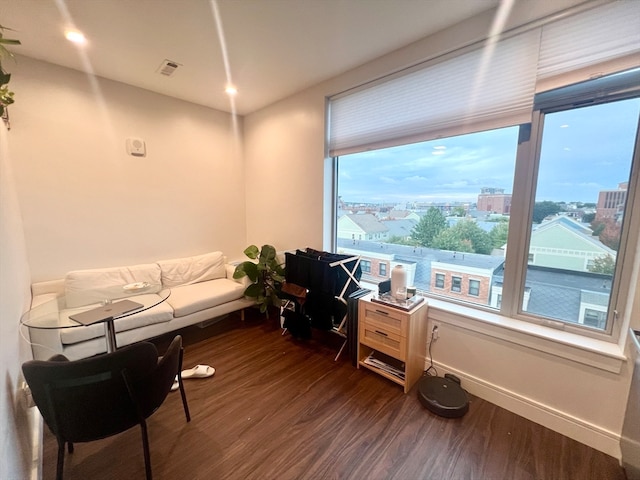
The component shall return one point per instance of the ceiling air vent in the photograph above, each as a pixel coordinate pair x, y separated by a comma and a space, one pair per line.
167, 67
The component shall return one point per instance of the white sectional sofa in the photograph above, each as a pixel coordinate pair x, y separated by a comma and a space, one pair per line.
202, 288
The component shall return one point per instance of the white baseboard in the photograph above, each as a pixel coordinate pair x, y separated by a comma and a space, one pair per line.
36, 444
556, 420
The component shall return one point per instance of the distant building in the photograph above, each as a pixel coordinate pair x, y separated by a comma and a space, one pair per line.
400, 228
572, 296
494, 200
362, 227
464, 276
566, 244
611, 202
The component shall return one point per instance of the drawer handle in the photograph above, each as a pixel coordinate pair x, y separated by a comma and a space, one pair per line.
382, 312
381, 333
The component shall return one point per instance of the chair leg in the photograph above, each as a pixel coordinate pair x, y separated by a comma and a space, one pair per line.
184, 399
60, 466
180, 384
145, 447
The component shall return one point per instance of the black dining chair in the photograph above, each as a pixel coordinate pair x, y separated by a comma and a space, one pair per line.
94, 398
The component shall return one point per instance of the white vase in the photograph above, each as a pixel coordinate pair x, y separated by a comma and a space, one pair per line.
399, 282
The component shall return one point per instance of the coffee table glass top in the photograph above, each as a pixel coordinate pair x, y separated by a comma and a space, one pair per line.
55, 312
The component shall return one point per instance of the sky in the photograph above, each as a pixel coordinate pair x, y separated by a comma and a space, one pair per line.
584, 151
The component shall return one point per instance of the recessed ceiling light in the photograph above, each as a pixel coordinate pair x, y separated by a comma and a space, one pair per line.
231, 90
75, 37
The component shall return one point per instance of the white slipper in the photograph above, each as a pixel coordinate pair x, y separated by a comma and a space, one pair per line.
199, 371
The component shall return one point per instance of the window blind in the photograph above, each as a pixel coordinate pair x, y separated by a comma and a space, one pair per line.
492, 87
589, 38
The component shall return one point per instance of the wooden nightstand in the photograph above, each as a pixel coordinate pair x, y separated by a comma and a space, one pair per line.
392, 332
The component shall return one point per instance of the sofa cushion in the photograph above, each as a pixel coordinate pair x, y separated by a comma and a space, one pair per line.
159, 314
189, 270
83, 287
188, 299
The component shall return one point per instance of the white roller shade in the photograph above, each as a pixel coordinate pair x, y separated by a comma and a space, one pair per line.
490, 87
590, 38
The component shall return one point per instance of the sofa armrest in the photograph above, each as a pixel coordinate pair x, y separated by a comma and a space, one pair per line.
244, 281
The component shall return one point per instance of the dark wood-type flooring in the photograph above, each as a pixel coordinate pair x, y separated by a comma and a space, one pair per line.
282, 409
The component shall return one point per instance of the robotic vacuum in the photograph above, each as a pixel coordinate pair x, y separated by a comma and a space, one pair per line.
443, 395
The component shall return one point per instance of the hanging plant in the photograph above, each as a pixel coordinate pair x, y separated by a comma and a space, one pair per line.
6, 95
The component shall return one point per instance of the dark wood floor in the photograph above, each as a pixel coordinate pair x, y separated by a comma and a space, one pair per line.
282, 409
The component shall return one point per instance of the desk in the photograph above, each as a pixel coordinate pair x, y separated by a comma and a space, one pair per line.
47, 315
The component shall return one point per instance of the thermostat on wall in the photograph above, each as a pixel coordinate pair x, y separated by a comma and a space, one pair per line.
136, 147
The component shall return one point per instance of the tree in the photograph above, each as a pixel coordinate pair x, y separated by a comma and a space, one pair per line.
588, 217
449, 239
465, 236
458, 212
608, 232
542, 210
429, 227
498, 234
398, 240
603, 264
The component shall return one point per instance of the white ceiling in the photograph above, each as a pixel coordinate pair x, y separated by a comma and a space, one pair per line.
274, 48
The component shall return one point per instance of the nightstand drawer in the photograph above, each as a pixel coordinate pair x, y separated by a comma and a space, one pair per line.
383, 340
389, 319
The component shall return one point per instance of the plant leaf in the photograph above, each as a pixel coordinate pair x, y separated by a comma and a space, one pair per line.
267, 254
247, 268
252, 252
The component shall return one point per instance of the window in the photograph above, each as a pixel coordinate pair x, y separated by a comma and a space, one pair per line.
474, 287
595, 318
553, 196
456, 223
383, 269
366, 266
585, 158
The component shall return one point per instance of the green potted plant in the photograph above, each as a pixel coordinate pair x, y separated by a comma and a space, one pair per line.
266, 275
6, 95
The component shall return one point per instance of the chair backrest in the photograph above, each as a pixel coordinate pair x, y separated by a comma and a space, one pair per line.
89, 399
153, 389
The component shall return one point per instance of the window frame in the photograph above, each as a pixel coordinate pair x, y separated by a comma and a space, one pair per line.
477, 290
456, 279
516, 257
526, 178
365, 266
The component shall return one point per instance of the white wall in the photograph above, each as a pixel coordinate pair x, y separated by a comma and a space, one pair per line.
16, 421
87, 203
285, 170
583, 402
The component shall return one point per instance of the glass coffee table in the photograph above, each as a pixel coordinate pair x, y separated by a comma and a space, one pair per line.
58, 312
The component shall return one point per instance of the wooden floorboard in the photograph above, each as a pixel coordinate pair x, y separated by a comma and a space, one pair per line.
278, 408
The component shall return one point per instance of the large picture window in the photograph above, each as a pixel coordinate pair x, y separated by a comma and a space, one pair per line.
452, 208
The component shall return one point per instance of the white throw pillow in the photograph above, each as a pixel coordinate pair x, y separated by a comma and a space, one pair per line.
188, 270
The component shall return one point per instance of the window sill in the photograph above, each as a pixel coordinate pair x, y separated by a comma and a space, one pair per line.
588, 351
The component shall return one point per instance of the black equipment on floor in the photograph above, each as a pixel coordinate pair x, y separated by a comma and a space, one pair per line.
443, 395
